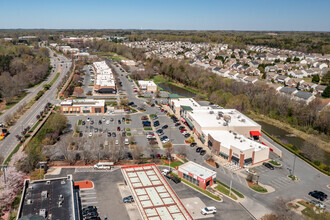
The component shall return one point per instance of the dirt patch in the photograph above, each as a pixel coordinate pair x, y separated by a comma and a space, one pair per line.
84, 184
211, 162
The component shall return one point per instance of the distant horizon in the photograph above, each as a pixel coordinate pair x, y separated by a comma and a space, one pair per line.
211, 15
136, 29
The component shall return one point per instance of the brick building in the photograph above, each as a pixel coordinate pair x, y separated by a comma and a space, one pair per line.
78, 106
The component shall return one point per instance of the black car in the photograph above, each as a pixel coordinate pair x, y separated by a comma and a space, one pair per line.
217, 165
318, 195
187, 135
91, 214
109, 134
202, 152
193, 144
113, 134
80, 134
268, 165
100, 122
181, 127
175, 179
152, 105
83, 123
165, 126
131, 103
177, 124
198, 149
119, 122
123, 119
89, 208
156, 123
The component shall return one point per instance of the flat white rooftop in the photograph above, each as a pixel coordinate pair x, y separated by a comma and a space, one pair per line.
102, 68
83, 102
228, 139
186, 102
198, 170
143, 83
210, 118
154, 197
105, 80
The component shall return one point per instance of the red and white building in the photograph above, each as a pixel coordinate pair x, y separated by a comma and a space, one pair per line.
197, 174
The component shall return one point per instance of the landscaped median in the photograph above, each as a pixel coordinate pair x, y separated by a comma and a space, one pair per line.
257, 187
224, 189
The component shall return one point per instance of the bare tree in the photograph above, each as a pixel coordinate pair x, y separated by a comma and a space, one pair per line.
282, 211
182, 151
168, 152
137, 152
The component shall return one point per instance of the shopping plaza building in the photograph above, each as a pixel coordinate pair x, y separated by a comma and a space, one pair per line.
82, 106
227, 132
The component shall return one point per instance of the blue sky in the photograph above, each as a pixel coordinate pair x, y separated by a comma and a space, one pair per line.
286, 15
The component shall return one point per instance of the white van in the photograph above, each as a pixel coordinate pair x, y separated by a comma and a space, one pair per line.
103, 165
126, 141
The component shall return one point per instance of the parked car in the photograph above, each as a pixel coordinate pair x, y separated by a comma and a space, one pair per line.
118, 128
187, 135
177, 124
268, 165
193, 144
119, 122
107, 122
175, 179
198, 149
89, 208
165, 172
181, 128
113, 134
123, 119
90, 134
209, 210
109, 134
103, 119
155, 118
83, 123
131, 103
318, 195
96, 130
165, 126
100, 122
128, 199
156, 123
202, 152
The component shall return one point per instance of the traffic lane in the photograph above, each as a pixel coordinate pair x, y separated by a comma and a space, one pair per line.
225, 210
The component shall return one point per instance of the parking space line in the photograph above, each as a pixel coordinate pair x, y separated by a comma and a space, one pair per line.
87, 203
84, 198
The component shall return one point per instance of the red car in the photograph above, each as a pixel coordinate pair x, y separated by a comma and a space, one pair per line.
162, 110
183, 130
127, 110
118, 128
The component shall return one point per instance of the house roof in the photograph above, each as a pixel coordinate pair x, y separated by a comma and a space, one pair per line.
288, 90
303, 95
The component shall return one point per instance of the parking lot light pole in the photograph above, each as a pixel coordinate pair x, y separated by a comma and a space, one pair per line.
294, 164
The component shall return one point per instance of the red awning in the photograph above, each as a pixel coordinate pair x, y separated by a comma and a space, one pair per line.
255, 133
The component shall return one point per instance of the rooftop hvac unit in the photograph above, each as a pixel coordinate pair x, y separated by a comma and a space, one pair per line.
60, 203
30, 187
42, 212
218, 117
225, 124
63, 182
48, 182
211, 112
29, 201
44, 194
238, 116
61, 197
242, 120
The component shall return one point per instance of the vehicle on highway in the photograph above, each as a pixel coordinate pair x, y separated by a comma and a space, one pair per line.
202, 152
209, 210
193, 144
268, 165
128, 199
198, 149
318, 195
165, 126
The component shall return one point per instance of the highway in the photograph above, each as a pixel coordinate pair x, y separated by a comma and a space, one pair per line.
61, 64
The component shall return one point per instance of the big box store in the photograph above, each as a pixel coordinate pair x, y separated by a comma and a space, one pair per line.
197, 174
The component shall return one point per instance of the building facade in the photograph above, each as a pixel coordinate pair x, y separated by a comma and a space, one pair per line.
83, 106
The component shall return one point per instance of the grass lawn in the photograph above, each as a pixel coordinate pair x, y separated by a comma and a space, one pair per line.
233, 190
311, 214
257, 188
35, 126
225, 191
275, 163
176, 164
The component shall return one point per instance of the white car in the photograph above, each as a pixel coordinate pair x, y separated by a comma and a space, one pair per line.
117, 142
88, 119
90, 134
209, 210
103, 119
165, 141
107, 122
185, 132
165, 172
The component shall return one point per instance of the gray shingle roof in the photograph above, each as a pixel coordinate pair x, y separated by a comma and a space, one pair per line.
303, 95
288, 90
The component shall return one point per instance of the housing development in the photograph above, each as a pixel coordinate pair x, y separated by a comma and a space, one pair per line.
122, 120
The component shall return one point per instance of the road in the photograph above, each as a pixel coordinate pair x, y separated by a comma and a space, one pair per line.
62, 64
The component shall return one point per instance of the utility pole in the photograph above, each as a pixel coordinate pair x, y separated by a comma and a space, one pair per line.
294, 163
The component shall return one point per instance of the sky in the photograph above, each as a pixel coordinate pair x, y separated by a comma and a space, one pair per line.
269, 15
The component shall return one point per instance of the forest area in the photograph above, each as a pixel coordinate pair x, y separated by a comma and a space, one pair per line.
21, 67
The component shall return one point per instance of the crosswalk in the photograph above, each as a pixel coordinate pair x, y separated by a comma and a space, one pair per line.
88, 197
280, 182
92, 170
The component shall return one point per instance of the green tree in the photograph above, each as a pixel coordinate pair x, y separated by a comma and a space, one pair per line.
288, 60
326, 92
316, 78
296, 59
326, 79
264, 75
232, 56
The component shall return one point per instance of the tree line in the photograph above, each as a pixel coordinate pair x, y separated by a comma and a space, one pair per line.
21, 67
